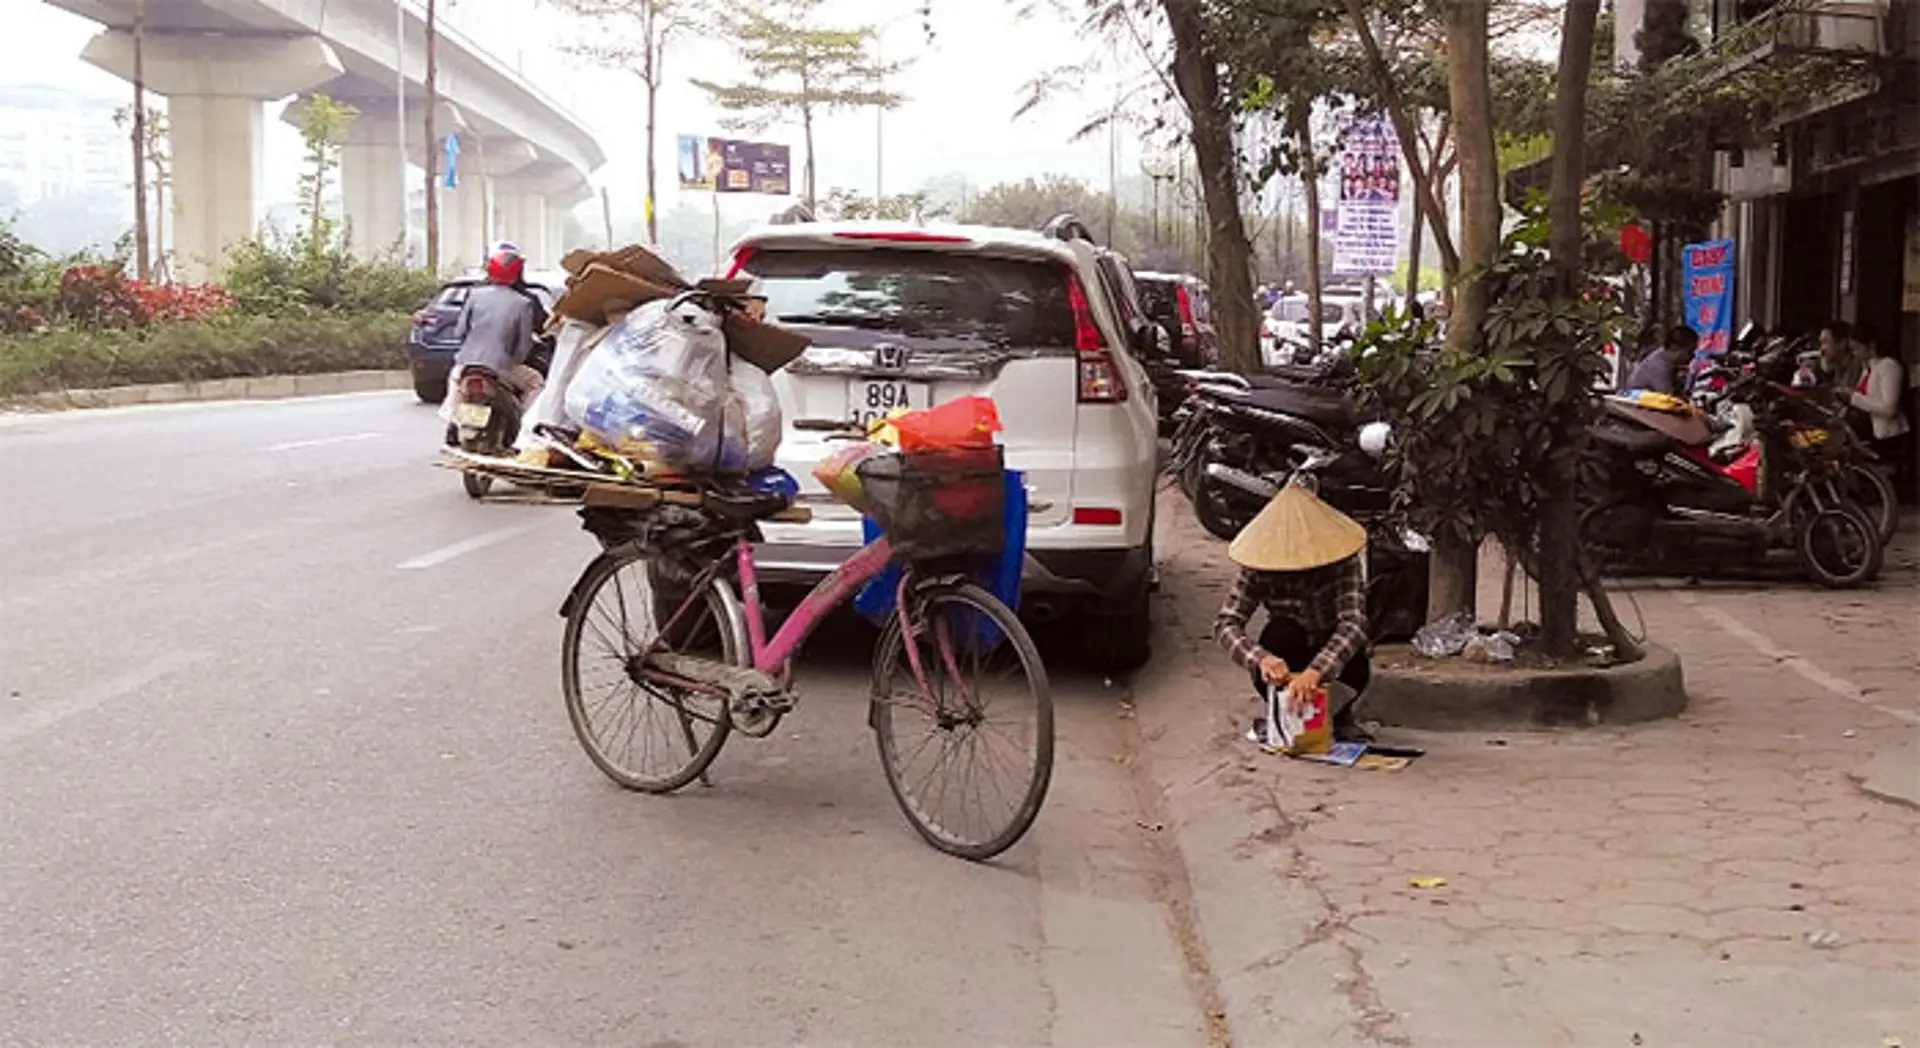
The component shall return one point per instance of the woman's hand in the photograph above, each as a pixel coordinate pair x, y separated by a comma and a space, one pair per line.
1300, 691
1273, 670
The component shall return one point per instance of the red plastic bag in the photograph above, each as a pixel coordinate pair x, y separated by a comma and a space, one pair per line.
969, 422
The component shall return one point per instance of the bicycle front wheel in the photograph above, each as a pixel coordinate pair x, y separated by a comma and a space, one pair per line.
963, 715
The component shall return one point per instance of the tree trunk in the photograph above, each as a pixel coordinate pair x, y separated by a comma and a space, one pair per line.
1229, 256
1559, 520
142, 265
1455, 563
432, 200
1302, 120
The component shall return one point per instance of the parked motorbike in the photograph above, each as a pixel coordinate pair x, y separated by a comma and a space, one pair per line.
1669, 498
1824, 427
484, 419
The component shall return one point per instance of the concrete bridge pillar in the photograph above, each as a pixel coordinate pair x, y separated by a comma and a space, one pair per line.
472, 207
371, 186
523, 220
214, 88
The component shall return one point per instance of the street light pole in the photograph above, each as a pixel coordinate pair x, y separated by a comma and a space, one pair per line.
432, 158
400, 123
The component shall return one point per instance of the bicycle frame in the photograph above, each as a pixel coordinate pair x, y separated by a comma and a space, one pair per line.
771, 656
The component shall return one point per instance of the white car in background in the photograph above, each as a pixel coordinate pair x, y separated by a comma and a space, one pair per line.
1047, 324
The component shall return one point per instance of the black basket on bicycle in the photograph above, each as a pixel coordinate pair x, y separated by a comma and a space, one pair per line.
938, 504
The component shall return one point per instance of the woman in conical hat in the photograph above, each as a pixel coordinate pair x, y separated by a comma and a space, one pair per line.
1300, 560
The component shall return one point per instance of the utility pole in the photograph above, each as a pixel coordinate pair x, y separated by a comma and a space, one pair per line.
433, 144
141, 254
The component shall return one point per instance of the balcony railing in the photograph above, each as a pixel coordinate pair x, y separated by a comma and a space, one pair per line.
1834, 29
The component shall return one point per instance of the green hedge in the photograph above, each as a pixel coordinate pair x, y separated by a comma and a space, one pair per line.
231, 345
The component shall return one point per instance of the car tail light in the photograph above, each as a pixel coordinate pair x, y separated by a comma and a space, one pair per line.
1100, 379
740, 260
1098, 516
422, 317
1185, 303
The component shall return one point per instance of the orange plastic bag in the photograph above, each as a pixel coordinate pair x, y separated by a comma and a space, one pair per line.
969, 422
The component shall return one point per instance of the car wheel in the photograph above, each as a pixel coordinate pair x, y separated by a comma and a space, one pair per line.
429, 391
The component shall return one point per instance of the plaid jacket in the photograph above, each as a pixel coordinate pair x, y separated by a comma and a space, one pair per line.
1329, 601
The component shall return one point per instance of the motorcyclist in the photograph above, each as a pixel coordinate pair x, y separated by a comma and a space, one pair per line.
498, 323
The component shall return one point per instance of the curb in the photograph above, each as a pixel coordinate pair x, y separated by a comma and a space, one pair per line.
264, 387
1454, 695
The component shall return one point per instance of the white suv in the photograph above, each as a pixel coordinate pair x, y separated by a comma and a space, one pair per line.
1047, 324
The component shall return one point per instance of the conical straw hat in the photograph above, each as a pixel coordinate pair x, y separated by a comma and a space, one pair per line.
1297, 532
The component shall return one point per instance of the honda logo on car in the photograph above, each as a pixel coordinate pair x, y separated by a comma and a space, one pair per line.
890, 355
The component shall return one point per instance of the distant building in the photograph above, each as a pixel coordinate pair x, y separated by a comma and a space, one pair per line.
57, 143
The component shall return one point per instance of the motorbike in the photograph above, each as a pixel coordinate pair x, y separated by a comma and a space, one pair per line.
1824, 422
483, 417
1670, 498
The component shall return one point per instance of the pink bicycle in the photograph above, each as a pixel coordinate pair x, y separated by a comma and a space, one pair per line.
663, 660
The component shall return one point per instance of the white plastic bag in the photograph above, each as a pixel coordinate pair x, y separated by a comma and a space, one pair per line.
762, 409
571, 348
656, 387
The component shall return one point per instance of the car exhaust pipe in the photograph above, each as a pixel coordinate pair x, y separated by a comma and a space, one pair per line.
1259, 487
1043, 611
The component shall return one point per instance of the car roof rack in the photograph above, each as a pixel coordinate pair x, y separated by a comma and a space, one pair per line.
1067, 226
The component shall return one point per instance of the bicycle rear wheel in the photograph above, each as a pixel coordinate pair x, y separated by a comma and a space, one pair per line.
968, 756
640, 735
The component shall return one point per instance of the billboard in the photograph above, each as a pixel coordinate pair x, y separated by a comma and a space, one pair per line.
727, 165
1366, 236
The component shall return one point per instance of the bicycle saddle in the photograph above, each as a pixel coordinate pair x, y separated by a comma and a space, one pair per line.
742, 505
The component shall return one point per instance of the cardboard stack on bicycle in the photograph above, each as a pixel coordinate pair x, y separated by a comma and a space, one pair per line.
664, 379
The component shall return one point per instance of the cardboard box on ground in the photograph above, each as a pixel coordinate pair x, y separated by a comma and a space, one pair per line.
603, 289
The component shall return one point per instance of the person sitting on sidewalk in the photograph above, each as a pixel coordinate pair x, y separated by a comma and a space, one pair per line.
1664, 369
1301, 560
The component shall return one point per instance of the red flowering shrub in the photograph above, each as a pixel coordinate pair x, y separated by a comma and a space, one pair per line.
95, 296
100, 297
164, 302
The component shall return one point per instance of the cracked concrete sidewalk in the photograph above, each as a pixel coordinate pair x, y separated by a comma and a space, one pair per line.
1720, 879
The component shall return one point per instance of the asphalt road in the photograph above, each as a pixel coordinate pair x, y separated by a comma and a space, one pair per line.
283, 761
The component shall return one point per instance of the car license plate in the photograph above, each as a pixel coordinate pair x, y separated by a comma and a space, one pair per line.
472, 416
869, 399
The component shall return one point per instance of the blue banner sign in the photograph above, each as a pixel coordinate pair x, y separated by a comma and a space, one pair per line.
1707, 270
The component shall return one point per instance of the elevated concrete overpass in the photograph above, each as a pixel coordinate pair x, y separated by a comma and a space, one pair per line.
217, 61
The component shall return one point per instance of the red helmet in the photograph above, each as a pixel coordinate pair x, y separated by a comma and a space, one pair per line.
506, 265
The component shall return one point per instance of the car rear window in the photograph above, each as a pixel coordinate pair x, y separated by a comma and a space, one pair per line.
920, 294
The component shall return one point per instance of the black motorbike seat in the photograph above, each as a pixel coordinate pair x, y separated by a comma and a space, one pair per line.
1327, 408
1636, 440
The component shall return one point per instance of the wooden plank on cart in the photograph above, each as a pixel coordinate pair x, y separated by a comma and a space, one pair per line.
621, 496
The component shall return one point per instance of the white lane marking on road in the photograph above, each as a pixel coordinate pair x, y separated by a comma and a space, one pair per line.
321, 442
440, 556
1759, 642
46, 715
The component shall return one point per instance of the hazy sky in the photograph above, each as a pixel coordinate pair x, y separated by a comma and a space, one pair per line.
964, 88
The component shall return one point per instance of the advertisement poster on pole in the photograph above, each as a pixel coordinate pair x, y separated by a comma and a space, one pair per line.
1366, 239
726, 165
1707, 275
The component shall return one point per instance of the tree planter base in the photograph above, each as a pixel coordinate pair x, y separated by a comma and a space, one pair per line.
1410, 691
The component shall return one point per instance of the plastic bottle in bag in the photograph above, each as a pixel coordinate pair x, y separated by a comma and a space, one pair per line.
656, 386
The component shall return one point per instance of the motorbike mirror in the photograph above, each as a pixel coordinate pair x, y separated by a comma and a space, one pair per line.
1374, 437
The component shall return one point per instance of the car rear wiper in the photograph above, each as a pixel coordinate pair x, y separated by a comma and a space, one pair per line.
853, 320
